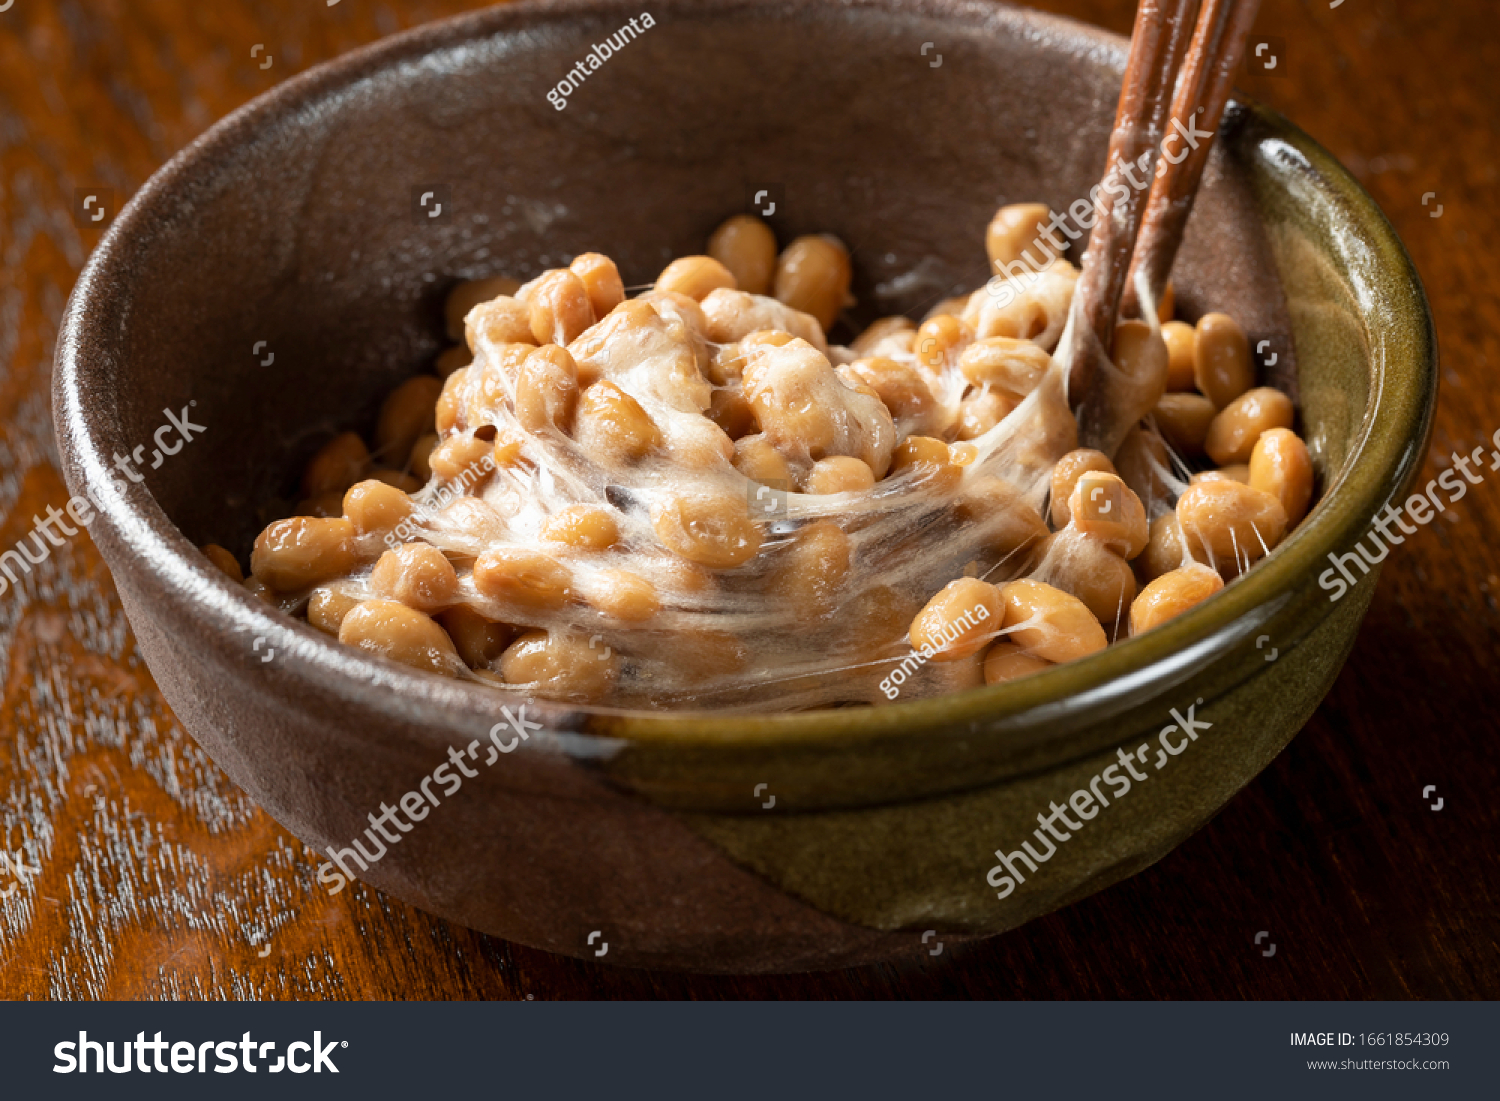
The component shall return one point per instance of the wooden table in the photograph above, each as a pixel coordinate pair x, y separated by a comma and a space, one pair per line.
164, 880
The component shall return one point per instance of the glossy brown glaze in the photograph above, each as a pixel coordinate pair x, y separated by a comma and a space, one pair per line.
285, 728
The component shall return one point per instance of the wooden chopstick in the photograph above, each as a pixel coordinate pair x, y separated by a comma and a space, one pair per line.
1203, 88
1157, 44
1134, 240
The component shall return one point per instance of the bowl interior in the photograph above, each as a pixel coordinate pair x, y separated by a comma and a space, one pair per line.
304, 237
283, 275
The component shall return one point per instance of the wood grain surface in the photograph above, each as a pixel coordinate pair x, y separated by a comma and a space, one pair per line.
137, 870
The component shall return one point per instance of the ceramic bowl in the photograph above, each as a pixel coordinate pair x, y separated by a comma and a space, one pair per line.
282, 274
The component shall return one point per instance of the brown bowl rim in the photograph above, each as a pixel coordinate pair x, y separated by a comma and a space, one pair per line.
1388, 449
